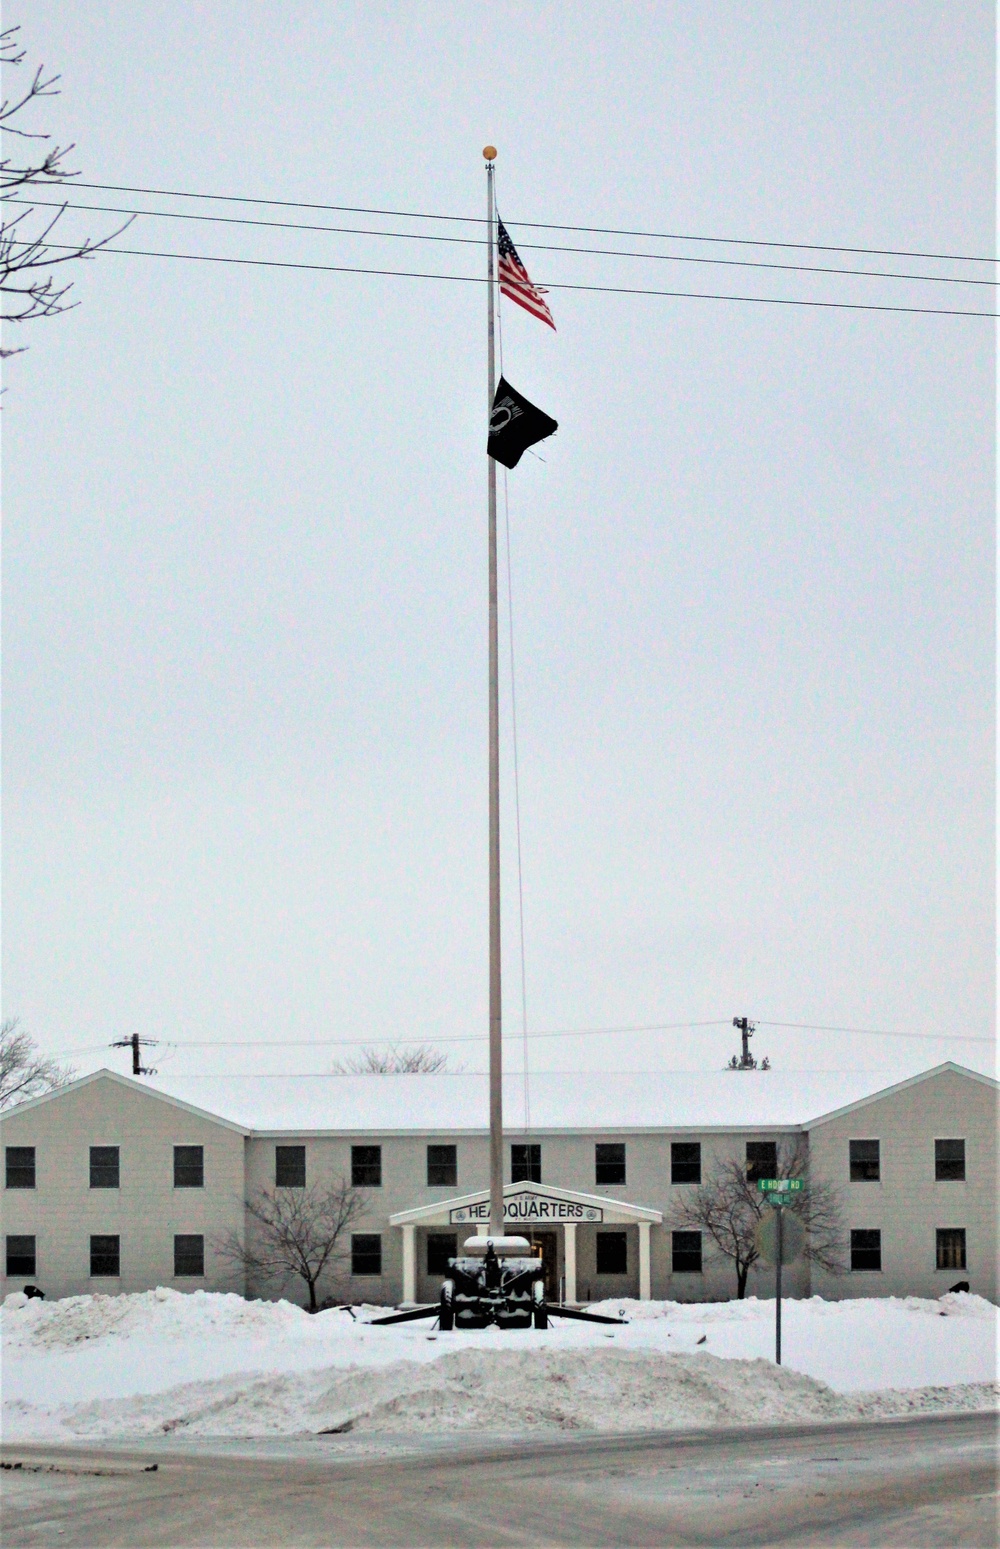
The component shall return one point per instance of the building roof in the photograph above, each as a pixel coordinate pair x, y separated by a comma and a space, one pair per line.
455, 1102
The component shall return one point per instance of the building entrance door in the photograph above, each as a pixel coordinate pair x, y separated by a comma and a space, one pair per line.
545, 1243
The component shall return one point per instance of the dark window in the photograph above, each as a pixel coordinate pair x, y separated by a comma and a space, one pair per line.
366, 1168
189, 1256
20, 1167
950, 1247
685, 1162
609, 1162
525, 1164
865, 1162
441, 1246
105, 1257
866, 1250
442, 1167
687, 1253
104, 1167
290, 1167
612, 1253
762, 1159
949, 1161
189, 1167
366, 1253
21, 1256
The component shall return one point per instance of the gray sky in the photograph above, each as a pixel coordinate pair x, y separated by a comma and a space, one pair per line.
245, 557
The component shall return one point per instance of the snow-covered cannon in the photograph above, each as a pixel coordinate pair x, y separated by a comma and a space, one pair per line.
496, 1280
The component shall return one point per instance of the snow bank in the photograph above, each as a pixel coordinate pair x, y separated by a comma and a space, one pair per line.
204, 1364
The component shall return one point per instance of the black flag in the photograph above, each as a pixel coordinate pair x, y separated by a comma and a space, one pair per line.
515, 424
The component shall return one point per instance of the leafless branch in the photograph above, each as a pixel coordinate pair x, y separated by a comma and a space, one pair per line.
295, 1232
24, 1073
421, 1061
728, 1208
27, 253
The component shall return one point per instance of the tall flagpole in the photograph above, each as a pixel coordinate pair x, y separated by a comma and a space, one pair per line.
496, 1044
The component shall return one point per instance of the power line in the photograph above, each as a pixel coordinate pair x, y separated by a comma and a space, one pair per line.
562, 1032
471, 279
880, 1032
535, 247
661, 1070
477, 220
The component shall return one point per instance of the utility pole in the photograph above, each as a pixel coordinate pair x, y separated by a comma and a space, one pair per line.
746, 1061
134, 1042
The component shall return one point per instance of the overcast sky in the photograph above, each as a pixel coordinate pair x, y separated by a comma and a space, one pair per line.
245, 542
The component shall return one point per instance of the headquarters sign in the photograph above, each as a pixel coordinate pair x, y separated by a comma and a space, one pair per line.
533, 1209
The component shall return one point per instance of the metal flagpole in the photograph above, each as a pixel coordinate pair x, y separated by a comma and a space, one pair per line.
777, 1286
496, 1045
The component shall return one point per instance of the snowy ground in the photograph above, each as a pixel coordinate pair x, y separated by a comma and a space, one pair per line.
202, 1364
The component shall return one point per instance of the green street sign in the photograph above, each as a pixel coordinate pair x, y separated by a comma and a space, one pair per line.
781, 1185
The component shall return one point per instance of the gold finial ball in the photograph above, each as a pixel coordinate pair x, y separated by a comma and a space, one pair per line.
490, 152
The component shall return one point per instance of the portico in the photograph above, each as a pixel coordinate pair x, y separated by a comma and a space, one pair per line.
531, 1208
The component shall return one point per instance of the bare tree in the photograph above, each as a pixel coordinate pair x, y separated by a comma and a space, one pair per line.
728, 1207
24, 1072
421, 1061
28, 251
294, 1231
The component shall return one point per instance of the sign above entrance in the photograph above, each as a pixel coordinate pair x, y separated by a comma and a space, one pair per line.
528, 1208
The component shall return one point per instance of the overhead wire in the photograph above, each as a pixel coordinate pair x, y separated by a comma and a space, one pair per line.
478, 220
471, 279
536, 247
562, 1032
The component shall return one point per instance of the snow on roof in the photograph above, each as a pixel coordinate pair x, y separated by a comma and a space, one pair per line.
455, 1102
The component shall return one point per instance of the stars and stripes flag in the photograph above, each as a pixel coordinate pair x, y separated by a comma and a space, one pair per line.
515, 282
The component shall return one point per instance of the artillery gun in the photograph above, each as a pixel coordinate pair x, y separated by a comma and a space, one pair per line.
496, 1280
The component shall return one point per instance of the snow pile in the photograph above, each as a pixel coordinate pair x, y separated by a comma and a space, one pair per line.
164, 1362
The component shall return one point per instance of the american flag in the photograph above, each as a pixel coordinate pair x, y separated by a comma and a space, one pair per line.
514, 280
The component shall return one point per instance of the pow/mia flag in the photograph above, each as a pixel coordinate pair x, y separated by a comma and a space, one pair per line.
515, 424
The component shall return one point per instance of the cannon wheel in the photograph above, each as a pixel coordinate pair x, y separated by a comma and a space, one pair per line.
446, 1316
541, 1312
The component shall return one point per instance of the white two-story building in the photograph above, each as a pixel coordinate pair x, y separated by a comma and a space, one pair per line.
116, 1184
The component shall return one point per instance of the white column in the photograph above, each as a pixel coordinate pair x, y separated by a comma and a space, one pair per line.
645, 1278
569, 1259
409, 1263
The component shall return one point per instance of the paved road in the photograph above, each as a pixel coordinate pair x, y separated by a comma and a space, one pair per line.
895, 1484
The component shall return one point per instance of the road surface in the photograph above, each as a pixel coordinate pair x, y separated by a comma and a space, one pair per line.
895, 1484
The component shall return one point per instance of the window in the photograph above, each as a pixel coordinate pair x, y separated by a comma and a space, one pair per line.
612, 1253
865, 1161
189, 1256
866, 1250
366, 1169
20, 1167
950, 1247
366, 1251
290, 1167
441, 1246
21, 1256
685, 1162
105, 1257
104, 1167
442, 1167
949, 1161
189, 1167
762, 1159
609, 1163
525, 1164
687, 1253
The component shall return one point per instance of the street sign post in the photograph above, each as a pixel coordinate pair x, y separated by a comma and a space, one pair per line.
779, 1192
776, 1188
